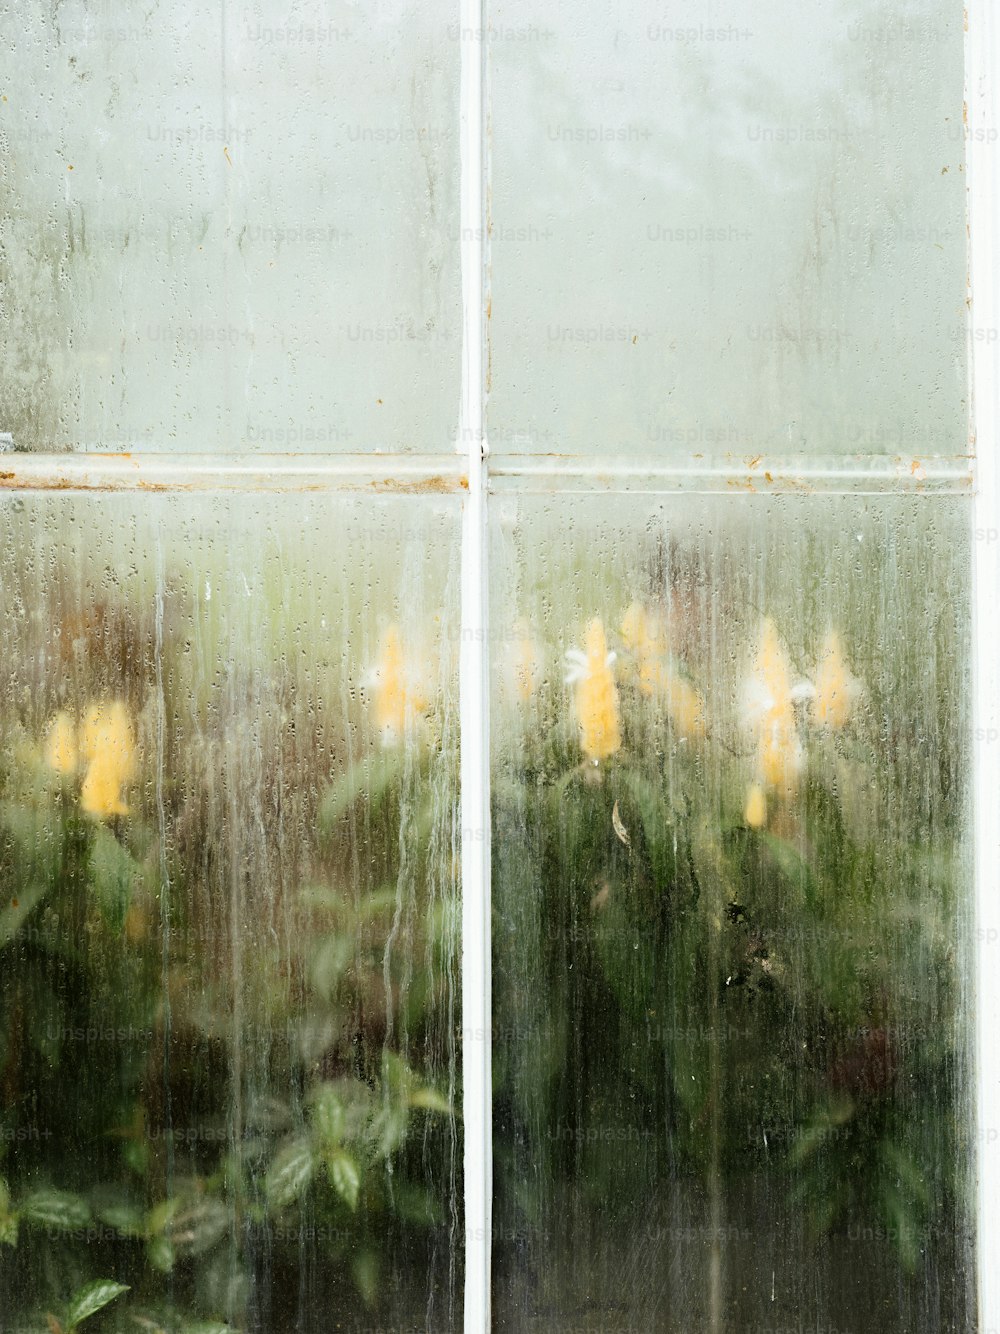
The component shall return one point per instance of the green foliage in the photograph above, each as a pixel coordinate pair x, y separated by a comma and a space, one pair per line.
682, 995
55, 1209
290, 1173
150, 1135
91, 1299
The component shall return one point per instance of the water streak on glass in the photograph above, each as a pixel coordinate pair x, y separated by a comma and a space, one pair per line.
229, 914
732, 914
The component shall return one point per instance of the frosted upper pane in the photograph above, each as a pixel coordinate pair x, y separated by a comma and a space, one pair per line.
727, 229
229, 226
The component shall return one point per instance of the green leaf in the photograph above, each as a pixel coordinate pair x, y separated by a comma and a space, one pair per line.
160, 1215
29, 835
715, 885
658, 828
907, 1172
397, 1075
16, 911
369, 781
197, 1226
366, 1276
207, 1327
290, 1173
316, 1032
344, 1177
128, 1219
821, 1130
56, 1209
114, 873
388, 1129
430, 1100
903, 1227
792, 865
91, 1299
160, 1253
378, 903
355, 1098
905, 1202
136, 1155
341, 903
330, 962
328, 1117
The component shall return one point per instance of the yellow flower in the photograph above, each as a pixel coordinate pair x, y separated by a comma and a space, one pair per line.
396, 694
104, 743
595, 695
836, 688
769, 709
635, 628
685, 707
647, 643
107, 746
755, 812
60, 744
646, 640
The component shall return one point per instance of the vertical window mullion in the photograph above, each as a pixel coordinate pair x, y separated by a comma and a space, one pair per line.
476, 990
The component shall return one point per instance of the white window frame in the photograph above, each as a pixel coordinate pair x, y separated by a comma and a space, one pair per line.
477, 1047
471, 463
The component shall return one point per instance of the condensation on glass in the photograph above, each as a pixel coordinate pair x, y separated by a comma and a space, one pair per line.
725, 230
229, 913
732, 914
229, 227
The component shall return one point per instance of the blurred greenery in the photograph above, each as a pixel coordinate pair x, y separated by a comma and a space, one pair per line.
687, 991
208, 1124
229, 1074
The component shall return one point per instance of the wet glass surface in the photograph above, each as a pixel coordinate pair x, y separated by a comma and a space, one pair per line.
732, 905
229, 913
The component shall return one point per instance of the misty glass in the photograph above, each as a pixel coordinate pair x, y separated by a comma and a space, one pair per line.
229, 914
732, 914
229, 227
723, 230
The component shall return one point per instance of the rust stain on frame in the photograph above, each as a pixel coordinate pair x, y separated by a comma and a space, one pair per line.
436, 485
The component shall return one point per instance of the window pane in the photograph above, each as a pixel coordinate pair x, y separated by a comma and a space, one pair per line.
229, 916
229, 227
732, 906
722, 229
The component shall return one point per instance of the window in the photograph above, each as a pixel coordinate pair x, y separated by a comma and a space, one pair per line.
499, 704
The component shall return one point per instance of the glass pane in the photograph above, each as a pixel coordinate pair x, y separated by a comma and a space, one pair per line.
732, 906
728, 229
229, 916
229, 227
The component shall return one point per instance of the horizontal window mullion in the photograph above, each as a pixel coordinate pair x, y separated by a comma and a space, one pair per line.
372, 474
727, 474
